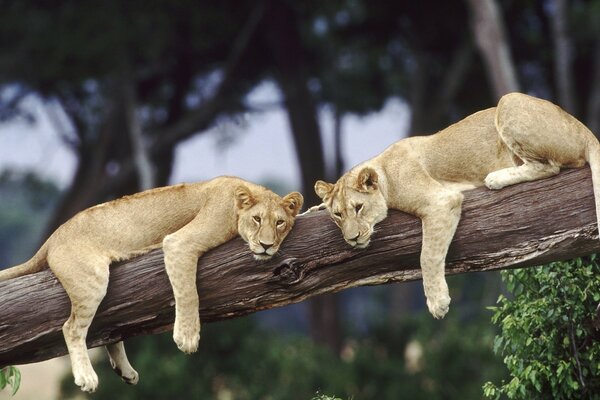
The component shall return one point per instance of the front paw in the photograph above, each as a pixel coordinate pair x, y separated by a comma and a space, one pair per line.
493, 181
86, 378
186, 336
438, 306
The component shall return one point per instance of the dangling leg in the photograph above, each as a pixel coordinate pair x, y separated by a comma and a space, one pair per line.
439, 220
85, 279
120, 364
182, 250
181, 262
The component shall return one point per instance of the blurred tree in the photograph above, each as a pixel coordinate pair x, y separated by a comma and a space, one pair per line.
289, 60
489, 32
183, 71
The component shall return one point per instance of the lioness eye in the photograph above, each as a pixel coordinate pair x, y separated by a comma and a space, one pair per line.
256, 218
338, 215
280, 222
358, 207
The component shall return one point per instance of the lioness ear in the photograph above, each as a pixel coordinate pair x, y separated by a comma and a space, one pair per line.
367, 180
243, 198
293, 202
322, 189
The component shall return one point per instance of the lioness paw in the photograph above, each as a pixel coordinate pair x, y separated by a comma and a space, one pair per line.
494, 181
438, 306
86, 379
186, 339
187, 343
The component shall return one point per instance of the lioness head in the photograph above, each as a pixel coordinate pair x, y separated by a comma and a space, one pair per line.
355, 203
265, 219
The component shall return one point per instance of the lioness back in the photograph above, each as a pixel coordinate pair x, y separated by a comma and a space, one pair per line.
139, 222
465, 151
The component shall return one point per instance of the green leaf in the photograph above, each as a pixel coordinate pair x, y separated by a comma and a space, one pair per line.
3, 378
16, 374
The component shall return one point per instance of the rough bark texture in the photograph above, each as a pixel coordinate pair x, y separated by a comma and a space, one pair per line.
523, 225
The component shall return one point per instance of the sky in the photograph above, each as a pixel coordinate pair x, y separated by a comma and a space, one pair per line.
259, 148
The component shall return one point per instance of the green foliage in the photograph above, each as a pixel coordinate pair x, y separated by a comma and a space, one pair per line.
10, 376
238, 360
548, 340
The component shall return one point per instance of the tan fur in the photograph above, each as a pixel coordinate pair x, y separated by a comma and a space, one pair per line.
522, 139
186, 221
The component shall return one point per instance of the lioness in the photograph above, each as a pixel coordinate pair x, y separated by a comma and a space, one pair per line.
187, 220
522, 139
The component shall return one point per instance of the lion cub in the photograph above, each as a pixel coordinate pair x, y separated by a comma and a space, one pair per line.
522, 139
186, 220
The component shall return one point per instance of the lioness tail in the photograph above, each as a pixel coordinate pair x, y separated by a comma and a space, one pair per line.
593, 158
34, 264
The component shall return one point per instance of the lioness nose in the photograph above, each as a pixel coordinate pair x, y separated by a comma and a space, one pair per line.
266, 246
355, 238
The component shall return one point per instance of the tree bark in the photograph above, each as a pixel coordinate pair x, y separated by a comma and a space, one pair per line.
523, 225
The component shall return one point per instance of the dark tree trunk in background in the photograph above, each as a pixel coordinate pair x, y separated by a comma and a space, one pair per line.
289, 60
563, 56
490, 36
593, 106
93, 152
338, 132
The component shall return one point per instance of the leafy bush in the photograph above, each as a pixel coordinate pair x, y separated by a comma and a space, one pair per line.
548, 339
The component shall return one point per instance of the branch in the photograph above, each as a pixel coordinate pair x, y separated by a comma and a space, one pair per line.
527, 224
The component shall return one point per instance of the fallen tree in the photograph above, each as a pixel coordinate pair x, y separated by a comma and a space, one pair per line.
524, 225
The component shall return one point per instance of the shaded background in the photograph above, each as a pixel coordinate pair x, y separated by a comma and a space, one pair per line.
99, 99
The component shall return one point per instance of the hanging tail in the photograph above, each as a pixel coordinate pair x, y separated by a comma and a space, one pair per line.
35, 264
593, 158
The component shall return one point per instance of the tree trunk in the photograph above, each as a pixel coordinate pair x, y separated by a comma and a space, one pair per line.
528, 224
283, 40
490, 36
93, 152
141, 157
563, 56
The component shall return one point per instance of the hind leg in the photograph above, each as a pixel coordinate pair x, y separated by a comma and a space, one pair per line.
529, 171
120, 364
85, 279
542, 135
